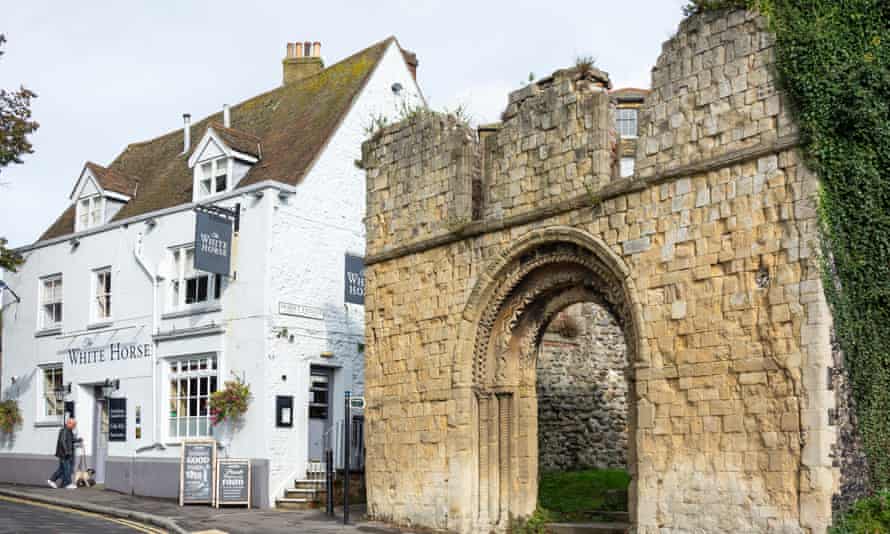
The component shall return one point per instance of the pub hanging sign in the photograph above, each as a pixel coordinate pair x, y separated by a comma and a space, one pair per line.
213, 238
355, 280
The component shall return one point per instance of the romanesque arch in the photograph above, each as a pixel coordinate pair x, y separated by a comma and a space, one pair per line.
708, 255
545, 272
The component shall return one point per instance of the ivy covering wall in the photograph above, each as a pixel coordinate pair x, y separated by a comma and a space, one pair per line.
833, 61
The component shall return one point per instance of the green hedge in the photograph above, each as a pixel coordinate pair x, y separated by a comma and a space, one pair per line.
833, 62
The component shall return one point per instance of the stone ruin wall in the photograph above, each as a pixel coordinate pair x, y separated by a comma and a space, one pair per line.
583, 392
719, 237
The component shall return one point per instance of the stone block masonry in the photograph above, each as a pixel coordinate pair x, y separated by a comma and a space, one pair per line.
582, 391
708, 256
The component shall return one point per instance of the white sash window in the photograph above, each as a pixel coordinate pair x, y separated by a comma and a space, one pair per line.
192, 381
51, 302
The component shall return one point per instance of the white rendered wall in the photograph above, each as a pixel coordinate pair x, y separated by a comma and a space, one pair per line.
310, 237
290, 250
239, 348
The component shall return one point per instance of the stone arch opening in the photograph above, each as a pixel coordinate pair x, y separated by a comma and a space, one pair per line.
582, 395
527, 291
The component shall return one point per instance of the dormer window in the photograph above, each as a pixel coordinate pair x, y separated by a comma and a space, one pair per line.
221, 159
90, 212
214, 177
99, 194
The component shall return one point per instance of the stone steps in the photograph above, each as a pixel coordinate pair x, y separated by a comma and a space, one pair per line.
306, 494
588, 528
295, 503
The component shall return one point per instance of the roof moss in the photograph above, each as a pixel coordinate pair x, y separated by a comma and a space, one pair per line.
292, 124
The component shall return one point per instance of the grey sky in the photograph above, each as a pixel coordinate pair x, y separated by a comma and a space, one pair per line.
109, 73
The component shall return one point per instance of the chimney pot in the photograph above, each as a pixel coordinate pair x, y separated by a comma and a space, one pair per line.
227, 116
186, 132
303, 59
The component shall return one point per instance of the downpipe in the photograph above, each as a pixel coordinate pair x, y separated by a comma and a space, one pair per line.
155, 282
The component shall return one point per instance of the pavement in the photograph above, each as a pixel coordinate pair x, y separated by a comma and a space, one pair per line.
169, 516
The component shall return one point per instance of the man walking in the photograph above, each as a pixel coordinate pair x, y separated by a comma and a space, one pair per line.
65, 454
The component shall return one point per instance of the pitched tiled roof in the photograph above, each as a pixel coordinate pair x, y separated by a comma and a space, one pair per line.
291, 123
241, 141
110, 180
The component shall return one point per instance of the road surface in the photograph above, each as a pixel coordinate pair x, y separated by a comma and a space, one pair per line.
19, 515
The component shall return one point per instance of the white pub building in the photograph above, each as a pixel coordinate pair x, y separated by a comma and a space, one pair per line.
114, 323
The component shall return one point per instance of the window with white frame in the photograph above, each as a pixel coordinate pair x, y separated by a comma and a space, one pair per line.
190, 286
213, 177
626, 122
51, 302
192, 381
102, 294
52, 380
89, 212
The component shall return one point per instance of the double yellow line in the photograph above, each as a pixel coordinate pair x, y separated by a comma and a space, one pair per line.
139, 527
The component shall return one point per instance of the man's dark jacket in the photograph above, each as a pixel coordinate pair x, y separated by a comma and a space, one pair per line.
65, 443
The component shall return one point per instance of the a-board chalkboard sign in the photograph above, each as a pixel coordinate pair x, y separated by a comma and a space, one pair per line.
233, 481
117, 419
196, 470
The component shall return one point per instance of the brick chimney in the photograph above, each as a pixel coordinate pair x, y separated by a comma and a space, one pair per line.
302, 60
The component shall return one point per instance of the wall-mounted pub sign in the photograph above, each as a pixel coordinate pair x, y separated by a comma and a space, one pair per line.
355, 280
213, 241
117, 419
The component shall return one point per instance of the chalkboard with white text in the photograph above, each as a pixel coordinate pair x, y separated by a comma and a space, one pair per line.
233, 481
196, 472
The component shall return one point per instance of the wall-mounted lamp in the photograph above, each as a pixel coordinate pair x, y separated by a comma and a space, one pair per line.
151, 223
74, 242
61, 391
13, 379
327, 354
110, 386
258, 195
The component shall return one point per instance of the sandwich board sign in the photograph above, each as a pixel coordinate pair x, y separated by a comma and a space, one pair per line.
233, 481
196, 470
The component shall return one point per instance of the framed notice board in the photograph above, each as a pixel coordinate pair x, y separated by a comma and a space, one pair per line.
196, 471
233, 481
117, 419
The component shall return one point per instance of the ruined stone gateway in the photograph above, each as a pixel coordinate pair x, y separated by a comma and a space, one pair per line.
707, 256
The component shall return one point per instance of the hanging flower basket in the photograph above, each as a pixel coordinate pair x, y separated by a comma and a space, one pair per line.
230, 403
10, 416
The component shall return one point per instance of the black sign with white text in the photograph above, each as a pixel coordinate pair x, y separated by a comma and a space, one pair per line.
213, 243
233, 485
117, 419
355, 280
196, 472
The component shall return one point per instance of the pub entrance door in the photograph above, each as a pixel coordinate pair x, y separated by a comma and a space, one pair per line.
100, 434
320, 387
